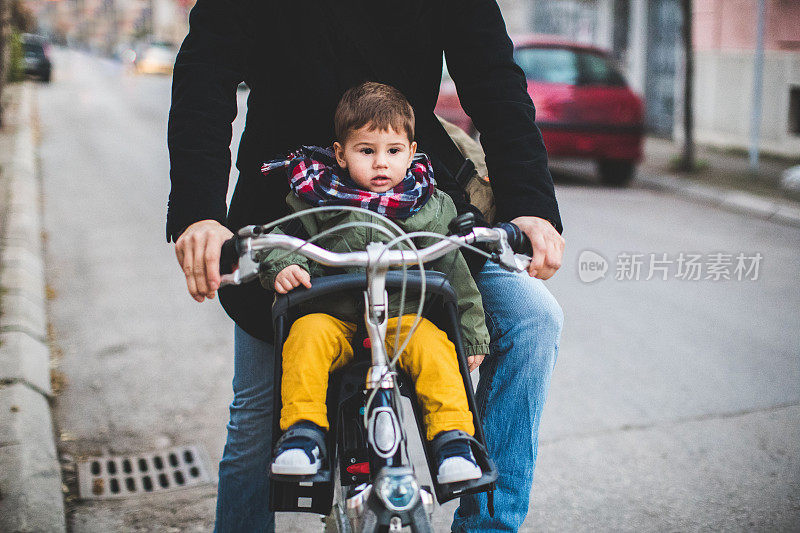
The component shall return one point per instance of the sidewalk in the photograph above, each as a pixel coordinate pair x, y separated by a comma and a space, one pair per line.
30, 476
723, 180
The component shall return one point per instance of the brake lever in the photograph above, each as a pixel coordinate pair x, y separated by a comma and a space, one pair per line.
507, 258
247, 269
250, 231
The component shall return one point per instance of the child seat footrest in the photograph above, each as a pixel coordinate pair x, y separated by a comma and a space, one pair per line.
323, 475
449, 491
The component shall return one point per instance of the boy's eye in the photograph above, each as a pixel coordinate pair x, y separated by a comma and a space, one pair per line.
367, 151
394, 151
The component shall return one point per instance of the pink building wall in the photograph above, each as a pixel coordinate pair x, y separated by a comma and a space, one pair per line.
731, 25
725, 41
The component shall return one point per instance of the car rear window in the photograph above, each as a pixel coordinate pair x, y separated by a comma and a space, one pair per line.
564, 65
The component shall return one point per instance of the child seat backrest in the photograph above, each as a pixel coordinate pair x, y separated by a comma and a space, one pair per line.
440, 307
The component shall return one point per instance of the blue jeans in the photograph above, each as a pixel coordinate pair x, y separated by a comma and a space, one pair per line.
243, 490
525, 324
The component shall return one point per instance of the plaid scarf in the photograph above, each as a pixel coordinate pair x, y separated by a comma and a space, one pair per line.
315, 177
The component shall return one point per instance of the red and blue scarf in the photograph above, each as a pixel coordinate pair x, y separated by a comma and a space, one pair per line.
315, 177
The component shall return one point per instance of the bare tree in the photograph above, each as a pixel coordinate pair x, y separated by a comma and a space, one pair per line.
15, 17
687, 160
4, 34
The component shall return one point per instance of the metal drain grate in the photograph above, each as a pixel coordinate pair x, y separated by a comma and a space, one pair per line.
116, 476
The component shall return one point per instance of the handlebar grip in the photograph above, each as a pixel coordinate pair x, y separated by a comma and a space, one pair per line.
229, 255
518, 241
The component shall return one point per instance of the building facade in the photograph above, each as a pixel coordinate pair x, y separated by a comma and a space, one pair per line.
645, 37
105, 26
725, 33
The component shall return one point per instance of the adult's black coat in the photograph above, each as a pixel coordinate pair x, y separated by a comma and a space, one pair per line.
298, 61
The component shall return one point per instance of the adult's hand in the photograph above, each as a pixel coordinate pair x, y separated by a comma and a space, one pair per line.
198, 249
474, 361
547, 243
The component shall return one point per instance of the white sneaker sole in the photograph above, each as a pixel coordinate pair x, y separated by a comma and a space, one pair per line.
295, 464
465, 471
296, 470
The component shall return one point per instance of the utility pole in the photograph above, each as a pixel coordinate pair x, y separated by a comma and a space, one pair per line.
638, 45
687, 158
758, 76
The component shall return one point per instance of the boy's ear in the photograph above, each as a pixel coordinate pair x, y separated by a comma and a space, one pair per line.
413, 148
338, 150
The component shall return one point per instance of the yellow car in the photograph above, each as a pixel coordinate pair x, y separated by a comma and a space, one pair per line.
155, 59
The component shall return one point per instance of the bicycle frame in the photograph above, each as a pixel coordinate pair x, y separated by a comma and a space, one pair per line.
395, 498
395, 486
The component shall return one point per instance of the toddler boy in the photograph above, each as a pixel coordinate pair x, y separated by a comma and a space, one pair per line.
373, 165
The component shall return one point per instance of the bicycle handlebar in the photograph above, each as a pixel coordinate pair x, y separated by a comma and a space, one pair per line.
518, 241
241, 249
229, 255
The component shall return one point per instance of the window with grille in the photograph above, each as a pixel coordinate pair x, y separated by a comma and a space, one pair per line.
794, 110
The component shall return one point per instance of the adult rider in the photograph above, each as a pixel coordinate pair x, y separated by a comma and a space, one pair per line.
297, 63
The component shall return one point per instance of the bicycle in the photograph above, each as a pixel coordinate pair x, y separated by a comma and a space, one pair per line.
368, 470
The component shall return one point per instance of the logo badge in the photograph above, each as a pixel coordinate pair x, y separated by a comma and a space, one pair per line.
591, 266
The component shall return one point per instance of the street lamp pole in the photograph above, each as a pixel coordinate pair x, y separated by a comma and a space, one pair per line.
758, 76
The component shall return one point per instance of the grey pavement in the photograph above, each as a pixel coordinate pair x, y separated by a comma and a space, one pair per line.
31, 498
146, 367
777, 210
725, 181
715, 186
726, 167
674, 404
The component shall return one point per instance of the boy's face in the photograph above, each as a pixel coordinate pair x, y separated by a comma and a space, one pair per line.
377, 160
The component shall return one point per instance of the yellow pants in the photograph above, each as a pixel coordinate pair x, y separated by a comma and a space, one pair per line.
319, 344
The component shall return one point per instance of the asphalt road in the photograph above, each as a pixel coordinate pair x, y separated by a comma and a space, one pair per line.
675, 404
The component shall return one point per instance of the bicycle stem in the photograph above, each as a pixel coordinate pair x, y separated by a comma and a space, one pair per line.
376, 314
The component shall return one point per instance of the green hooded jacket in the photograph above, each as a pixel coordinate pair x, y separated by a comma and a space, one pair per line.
434, 216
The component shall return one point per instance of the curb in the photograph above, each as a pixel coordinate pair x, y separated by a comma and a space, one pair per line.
30, 475
781, 212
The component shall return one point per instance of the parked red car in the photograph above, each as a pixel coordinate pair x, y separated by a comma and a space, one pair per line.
584, 108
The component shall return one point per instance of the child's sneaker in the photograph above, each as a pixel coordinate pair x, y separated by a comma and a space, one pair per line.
456, 462
298, 451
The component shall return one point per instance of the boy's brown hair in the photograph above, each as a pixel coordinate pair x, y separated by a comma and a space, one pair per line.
382, 106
